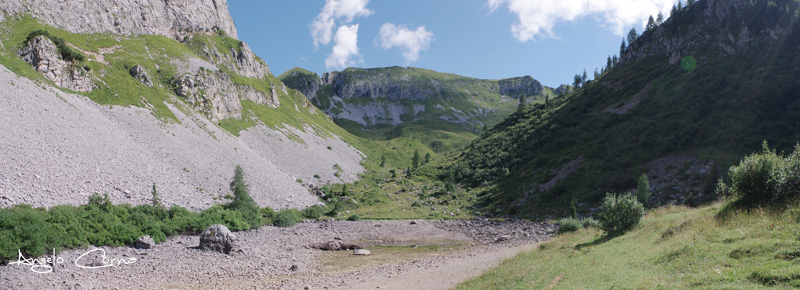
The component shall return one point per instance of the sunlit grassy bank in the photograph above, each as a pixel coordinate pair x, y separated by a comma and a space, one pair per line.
713, 247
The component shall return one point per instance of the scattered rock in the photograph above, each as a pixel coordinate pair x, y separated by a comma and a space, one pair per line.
502, 238
412, 223
217, 238
144, 242
361, 252
337, 246
294, 267
140, 74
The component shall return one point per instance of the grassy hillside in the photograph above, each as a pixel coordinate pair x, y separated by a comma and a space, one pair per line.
443, 111
676, 247
653, 114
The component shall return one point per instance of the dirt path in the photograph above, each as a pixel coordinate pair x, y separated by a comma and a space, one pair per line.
447, 275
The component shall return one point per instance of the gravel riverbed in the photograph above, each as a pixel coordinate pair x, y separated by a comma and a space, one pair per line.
276, 258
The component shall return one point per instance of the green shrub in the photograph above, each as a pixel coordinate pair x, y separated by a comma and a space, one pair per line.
590, 223
354, 217
314, 211
287, 218
267, 215
219, 215
764, 177
567, 225
643, 190
619, 214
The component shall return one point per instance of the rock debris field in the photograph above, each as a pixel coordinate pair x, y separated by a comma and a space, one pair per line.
59, 148
282, 258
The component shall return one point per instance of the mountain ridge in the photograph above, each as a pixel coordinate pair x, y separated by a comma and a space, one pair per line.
679, 114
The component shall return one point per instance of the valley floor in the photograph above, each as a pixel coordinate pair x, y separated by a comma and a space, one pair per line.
428, 254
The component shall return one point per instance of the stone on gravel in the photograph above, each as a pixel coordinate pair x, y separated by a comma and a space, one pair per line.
217, 238
361, 252
502, 238
413, 223
144, 242
337, 246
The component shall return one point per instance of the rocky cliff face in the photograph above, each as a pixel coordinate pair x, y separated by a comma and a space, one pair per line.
170, 18
520, 86
42, 54
718, 24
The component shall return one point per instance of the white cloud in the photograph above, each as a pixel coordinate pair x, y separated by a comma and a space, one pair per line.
345, 52
411, 41
537, 17
343, 10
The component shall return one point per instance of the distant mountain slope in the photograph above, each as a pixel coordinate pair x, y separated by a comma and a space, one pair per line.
688, 99
413, 99
166, 96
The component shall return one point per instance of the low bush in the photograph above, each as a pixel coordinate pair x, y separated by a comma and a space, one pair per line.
567, 225
315, 211
287, 218
354, 217
764, 177
619, 214
590, 223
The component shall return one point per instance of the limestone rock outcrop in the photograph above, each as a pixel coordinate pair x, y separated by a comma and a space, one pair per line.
217, 96
520, 86
41, 52
139, 73
170, 18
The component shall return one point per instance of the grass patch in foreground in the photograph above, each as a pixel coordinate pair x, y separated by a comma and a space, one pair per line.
673, 248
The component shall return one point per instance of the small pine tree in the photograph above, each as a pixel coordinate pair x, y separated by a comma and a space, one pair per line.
415, 161
622, 47
609, 63
427, 157
242, 201
614, 60
521, 106
156, 198
632, 36
383, 160
660, 18
584, 78
643, 190
577, 81
651, 23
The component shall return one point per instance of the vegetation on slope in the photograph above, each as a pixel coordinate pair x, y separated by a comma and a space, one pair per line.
456, 108
601, 138
675, 247
750, 240
36, 231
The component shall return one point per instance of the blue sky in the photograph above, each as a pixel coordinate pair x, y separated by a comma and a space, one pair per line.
550, 40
